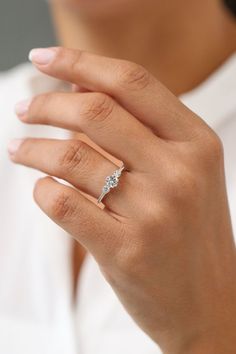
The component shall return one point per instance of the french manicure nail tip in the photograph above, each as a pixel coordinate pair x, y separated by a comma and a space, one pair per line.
22, 107
14, 145
42, 56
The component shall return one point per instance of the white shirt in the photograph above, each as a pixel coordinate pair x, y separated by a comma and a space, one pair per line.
37, 311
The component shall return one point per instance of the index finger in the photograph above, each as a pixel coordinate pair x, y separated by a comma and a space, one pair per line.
130, 84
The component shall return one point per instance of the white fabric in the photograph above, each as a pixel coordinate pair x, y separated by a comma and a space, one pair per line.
37, 314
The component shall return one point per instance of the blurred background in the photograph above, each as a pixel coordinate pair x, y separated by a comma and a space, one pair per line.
24, 24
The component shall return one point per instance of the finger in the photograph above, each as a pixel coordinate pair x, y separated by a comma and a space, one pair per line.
77, 88
132, 85
93, 227
77, 163
102, 119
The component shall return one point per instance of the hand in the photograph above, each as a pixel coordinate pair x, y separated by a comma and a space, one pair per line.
164, 240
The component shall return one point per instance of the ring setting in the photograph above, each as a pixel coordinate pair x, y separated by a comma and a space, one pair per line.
111, 182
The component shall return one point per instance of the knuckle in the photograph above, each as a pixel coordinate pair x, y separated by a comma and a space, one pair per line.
183, 186
75, 153
155, 217
213, 148
134, 76
61, 206
98, 108
209, 152
76, 62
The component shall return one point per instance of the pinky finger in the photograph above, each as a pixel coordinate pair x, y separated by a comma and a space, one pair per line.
83, 220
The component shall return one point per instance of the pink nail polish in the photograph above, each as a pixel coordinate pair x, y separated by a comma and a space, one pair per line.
42, 56
21, 108
14, 145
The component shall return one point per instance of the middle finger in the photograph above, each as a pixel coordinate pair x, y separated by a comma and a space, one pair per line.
77, 163
101, 118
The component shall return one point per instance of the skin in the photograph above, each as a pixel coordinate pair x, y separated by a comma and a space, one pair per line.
164, 239
180, 42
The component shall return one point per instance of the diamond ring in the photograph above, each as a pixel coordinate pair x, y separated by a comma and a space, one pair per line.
111, 182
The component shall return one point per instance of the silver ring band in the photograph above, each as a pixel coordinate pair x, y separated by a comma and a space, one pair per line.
111, 182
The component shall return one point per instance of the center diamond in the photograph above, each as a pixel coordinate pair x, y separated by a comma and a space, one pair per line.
112, 181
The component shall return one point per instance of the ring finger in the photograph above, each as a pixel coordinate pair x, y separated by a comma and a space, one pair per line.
77, 163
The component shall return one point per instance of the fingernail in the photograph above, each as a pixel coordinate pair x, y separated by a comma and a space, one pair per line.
14, 145
21, 108
42, 56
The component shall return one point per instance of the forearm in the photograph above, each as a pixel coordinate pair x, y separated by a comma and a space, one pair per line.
223, 342
212, 347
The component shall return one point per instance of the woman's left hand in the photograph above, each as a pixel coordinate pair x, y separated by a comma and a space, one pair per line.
164, 240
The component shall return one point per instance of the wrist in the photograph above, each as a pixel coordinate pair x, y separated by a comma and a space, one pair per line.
219, 343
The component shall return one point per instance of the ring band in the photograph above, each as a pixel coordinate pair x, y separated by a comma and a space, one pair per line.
111, 182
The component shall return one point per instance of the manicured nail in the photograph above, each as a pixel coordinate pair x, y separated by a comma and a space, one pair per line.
14, 145
21, 108
42, 56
